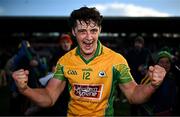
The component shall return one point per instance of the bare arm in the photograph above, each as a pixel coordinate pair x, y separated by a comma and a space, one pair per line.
43, 97
138, 94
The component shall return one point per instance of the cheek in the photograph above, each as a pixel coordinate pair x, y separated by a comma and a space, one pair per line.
169, 66
96, 37
160, 64
80, 39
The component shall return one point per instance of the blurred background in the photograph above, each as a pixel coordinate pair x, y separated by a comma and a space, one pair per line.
41, 23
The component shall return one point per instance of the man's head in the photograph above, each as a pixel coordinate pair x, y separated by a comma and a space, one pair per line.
86, 26
85, 14
139, 42
65, 42
164, 59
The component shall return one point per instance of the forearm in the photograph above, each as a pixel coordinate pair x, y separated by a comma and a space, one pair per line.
142, 93
38, 95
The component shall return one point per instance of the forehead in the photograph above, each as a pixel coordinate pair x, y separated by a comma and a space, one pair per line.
164, 59
83, 24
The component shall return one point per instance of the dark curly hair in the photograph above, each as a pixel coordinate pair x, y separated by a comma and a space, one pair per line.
85, 14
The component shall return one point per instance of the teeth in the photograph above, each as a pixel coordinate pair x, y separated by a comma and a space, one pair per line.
88, 42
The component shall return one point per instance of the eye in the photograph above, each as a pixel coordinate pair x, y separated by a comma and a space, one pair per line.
82, 31
94, 31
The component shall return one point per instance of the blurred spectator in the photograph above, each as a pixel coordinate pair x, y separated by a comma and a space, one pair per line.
164, 99
65, 44
176, 70
60, 108
139, 58
3, 79
25, 58
3, 59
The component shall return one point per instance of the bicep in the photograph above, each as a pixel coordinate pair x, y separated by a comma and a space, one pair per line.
55, 87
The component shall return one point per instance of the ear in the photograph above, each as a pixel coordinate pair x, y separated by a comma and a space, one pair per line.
73, 32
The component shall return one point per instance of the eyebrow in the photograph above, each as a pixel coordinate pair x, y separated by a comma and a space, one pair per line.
93, 29
80, 30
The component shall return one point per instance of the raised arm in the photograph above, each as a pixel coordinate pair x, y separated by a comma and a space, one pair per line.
43, 97
137, 94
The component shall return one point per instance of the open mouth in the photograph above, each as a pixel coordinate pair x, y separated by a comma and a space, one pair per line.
88, 44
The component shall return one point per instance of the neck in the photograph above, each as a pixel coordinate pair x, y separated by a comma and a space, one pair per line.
88, 56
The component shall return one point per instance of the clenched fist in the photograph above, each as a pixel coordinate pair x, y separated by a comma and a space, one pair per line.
21, 78
156, 74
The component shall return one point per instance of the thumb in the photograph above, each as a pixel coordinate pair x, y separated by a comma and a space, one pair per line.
150, 72
151, 68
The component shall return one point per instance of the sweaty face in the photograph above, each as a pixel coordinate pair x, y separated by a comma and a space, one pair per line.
87, 36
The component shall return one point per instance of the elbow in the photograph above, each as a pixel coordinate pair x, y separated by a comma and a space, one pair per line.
47, 104
137, 101
132, 101
51, 104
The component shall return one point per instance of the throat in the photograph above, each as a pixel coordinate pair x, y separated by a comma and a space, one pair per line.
88, 57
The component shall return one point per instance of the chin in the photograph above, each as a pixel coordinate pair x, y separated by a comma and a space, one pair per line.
88, 53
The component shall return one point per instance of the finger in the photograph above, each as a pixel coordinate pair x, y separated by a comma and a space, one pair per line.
150, 71
19, 75
151, 68
158, 76
26, 72
160, 70
158, 67
22, 76
22, 84
18, 72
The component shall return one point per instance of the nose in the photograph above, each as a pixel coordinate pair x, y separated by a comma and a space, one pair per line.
88, 35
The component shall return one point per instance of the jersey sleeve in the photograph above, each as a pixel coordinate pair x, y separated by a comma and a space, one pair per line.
121, 72
59, 73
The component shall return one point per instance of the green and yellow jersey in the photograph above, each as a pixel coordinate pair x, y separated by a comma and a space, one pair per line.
92, 83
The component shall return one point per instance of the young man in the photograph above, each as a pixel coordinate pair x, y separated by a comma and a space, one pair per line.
92, 71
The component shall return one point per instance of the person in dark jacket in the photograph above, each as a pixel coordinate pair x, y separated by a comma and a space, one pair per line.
25, 58
163, 100
60, 108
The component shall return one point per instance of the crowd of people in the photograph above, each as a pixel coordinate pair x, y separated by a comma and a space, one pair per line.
82, 80
40, 71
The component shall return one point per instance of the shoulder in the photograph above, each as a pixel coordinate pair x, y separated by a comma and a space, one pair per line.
68, 56
114, 56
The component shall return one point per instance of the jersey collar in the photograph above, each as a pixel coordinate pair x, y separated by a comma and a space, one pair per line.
97, 53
